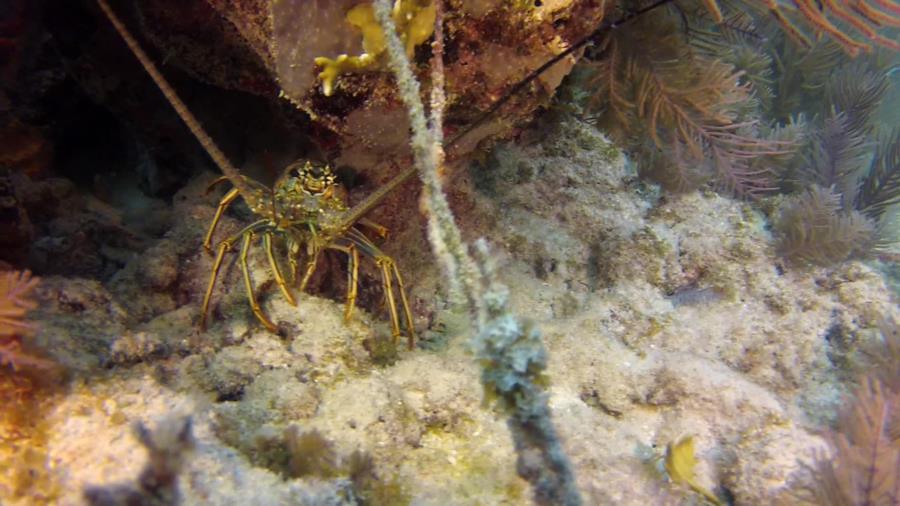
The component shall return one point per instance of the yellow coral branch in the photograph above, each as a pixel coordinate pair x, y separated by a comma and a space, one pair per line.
415, 24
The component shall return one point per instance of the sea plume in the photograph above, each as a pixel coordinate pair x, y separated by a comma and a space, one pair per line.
856, 25
864, 468
648, 83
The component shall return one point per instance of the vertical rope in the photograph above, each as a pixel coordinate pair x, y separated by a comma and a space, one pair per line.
512, 354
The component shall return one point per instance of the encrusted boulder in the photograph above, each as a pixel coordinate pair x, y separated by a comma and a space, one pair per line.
271, 48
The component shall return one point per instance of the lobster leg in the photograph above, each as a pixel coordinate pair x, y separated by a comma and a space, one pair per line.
389, 272
248, 283
407, 312
310, 269
217, 181
386, 280
381, 230
293, 251
204, 310
224, 247
223, 205
352, 275
279, 279
352, 281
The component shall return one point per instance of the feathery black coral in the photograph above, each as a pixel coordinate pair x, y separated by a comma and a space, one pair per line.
856, 92
835, 156
880, 187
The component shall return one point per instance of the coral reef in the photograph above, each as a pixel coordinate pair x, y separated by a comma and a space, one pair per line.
693, 346
661, 319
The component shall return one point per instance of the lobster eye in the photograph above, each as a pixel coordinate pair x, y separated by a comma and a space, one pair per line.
316, 172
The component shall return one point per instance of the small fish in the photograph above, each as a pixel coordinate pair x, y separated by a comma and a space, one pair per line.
692, 295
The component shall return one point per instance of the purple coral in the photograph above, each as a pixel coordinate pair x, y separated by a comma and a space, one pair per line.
15, 302
15, 290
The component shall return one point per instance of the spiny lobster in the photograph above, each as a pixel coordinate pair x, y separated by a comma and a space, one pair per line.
303, 209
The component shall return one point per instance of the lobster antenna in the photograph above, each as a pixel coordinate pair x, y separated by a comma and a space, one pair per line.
373, 199
584, 41
230, 171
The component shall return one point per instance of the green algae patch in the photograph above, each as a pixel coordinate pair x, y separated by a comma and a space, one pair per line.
28, 476
467, 471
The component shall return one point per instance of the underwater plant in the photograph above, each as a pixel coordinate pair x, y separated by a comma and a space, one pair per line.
880, 187
721, 94
15, 301
311, 454
844, 210
883, 355
23, 377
